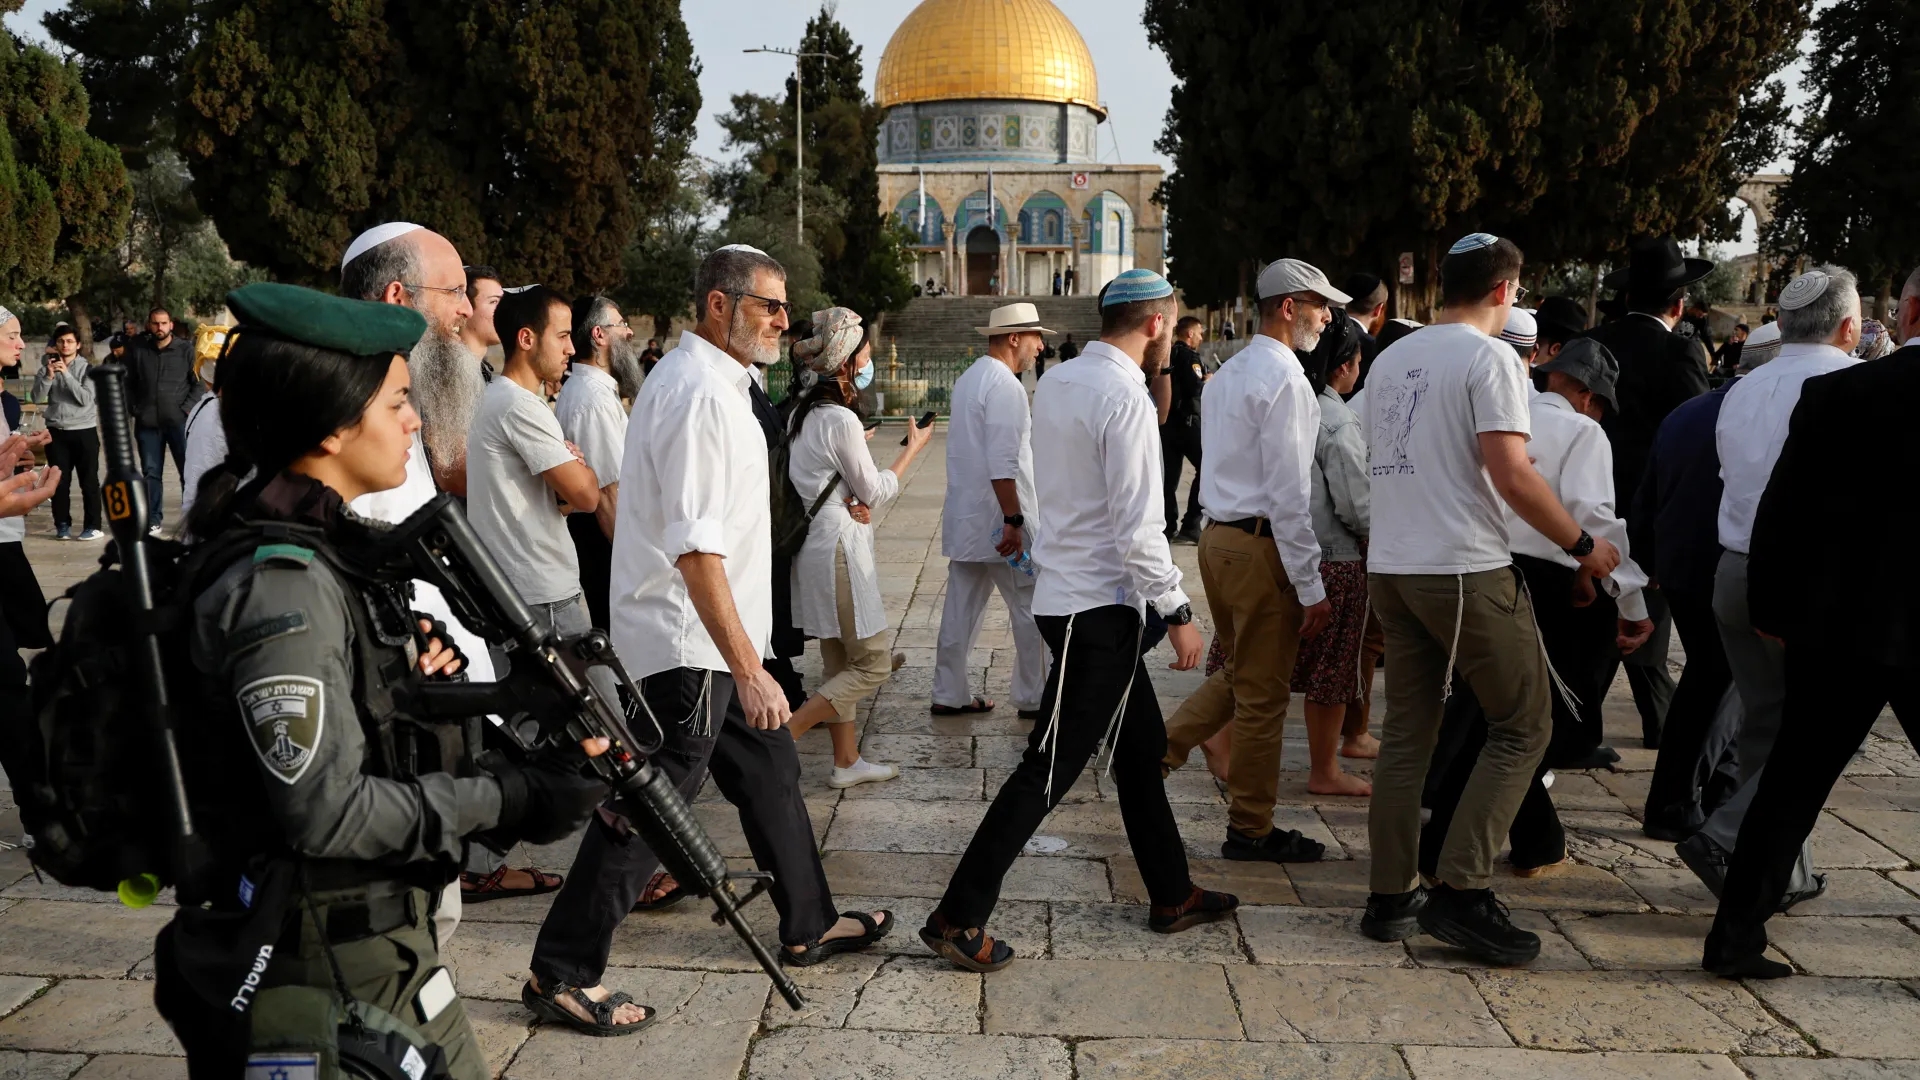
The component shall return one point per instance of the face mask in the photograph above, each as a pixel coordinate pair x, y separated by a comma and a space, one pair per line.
863, 378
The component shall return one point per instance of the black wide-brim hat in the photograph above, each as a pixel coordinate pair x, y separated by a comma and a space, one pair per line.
1655, 265
1561, 318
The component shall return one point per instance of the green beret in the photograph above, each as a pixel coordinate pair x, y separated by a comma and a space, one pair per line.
356, 327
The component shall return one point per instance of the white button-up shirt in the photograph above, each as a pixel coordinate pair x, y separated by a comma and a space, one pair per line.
1752, 428
1101, 510
987, 440
832, 443
1259, 423
1576, 460
594, 420
693, 478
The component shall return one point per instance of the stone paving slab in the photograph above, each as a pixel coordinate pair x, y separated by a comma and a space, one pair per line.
1874, 1018
803, 1054
1898, 830
704, 1039
17, 990
1647, 942
51, 937
1110, 998
1169, 1059
1033, 877
1253, 883
917, 784
1450, 1063
1886, 948
132, 1067
15, 1065
919, 993
1119, 932
1837, 843
899, 825
91, 1016
1330, 936
1762, 1032
1830, 1069
1363, 1005
1553, 1010
831, 992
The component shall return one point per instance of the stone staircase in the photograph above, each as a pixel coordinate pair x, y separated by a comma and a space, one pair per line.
942, 326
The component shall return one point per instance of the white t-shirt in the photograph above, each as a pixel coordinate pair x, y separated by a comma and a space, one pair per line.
1429, 396
206, 447
514, 439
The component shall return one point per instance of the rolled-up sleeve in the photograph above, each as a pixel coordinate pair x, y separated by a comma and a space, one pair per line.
1288, 438
1136, 508
692, 455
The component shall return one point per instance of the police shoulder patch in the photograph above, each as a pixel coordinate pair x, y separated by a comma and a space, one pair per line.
285, 717
1197, 372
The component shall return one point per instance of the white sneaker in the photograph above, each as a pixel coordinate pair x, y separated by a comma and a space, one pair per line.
861, 771
91, 534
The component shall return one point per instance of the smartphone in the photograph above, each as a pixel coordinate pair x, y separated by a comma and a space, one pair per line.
924, 421
871, 424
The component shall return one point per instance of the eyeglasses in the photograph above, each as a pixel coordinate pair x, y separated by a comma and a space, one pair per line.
774, 307
1519, 292
461, 289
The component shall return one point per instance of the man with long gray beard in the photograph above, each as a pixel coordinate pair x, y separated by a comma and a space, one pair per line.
606, 368
412, 266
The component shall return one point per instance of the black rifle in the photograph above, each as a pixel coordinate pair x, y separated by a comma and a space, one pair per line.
125, 495
548, 684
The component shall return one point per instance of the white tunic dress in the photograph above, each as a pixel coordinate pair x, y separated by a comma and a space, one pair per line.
831, 442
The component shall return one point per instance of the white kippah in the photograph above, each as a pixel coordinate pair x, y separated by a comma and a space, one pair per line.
1804, 290
376, 236
740, 247
1521, 328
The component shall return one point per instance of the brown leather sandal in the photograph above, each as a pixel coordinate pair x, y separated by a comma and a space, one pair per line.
973, 949
480, 888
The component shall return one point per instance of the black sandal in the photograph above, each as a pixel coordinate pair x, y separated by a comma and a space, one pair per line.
977, 705
545, 1004
973, 950
486, 887
818, 951
664, 900
1201, 906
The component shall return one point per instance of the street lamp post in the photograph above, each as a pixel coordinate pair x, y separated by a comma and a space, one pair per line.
799, 139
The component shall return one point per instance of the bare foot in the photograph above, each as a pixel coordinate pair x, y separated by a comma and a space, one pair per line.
622, 1014
1339, 784
1363, 745
662, 885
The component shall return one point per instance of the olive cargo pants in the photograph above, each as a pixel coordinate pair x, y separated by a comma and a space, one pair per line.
1481, 624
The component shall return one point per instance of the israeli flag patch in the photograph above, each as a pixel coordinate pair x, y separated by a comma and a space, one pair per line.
283, 1067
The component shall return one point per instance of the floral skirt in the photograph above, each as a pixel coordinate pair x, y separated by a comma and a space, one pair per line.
1328, 668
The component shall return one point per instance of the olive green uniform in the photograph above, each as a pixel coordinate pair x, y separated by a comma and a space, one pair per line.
277, 632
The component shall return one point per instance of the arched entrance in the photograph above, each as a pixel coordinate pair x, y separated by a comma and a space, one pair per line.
983, 261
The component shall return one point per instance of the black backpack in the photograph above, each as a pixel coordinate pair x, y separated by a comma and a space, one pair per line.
791, 514
82, 755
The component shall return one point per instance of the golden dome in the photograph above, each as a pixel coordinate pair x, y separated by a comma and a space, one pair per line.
1023, 50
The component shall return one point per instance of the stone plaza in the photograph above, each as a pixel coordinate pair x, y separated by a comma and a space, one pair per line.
1287, 988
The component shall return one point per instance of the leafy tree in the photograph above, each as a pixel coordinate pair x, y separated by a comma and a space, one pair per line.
1855, 183
665, 254
537, 136
1345, 134
129, 54
63, 193
862, 257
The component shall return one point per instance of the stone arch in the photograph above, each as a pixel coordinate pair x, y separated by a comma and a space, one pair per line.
1759, 192
1043, 219
928, 232
1107, 243
971, 212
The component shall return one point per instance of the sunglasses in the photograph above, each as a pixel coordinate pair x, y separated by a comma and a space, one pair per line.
774, 307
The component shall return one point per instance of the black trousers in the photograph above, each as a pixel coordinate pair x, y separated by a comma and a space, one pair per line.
76, 453
1833, 699
1647, 675
1681, 772
1098, 666
758, 772
595, 553
1577, 639
1536, 836
1177, 444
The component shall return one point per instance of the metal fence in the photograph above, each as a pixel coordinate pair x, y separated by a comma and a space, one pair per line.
921, 382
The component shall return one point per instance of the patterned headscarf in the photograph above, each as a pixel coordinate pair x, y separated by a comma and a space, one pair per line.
5, 315
836, 334
1875, 341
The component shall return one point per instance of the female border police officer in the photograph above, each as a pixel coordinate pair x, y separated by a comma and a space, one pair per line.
366, 815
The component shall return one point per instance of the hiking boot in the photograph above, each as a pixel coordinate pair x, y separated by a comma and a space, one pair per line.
1393, 916
1280, 845
1473, 920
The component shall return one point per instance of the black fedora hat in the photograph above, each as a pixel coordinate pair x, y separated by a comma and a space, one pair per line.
1561, 318
1655, 266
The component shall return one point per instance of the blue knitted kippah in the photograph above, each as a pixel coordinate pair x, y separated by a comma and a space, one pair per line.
1472, 242
1135, 285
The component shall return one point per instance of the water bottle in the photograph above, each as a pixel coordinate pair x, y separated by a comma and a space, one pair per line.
1022, 562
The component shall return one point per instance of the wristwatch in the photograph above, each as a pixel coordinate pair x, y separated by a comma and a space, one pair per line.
1582, 546
1016, 520
1181, 616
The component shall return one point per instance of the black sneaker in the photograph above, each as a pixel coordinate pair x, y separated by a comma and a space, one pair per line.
1473, 920
1706, 859
1393, 916
1280, 845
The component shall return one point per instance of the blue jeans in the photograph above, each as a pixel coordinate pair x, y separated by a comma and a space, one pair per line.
171, 437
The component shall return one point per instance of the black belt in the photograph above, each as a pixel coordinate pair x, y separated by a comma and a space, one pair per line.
352, 920
1258, 526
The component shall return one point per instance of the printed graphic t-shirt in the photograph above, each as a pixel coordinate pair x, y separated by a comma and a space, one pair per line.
1429, 396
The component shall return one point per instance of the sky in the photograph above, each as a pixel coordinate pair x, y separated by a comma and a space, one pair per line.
1135, 81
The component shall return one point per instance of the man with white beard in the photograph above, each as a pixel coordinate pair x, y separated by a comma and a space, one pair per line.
606, 368
412, 266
